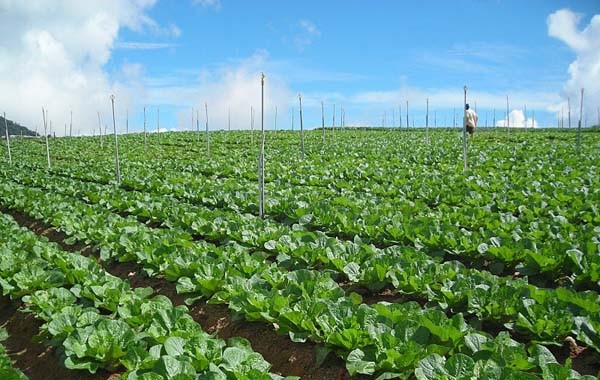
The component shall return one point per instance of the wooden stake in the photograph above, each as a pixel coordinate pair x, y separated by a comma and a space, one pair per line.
569, 111
251, 125
100, 131
464, 134
323, 123
407, 115
158, 124
579, 124
45, 116
261, 156
207, 135
7, 139
427, 122
117, 168
145, 134
400, 116
302, 126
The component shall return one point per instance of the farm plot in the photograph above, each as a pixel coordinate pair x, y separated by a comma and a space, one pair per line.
378, 257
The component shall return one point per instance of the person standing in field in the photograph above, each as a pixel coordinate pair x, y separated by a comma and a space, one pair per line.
470, 120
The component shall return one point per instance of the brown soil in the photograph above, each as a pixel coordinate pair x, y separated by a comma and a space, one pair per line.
37, 361
287, 357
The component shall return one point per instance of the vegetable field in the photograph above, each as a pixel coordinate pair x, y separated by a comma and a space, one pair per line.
379, 257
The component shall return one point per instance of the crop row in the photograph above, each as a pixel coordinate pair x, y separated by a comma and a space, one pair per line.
305, 304
7, 371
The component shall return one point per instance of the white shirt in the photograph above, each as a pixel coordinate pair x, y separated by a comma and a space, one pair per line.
470, 119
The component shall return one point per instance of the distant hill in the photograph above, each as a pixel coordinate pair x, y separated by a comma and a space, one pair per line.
14, 129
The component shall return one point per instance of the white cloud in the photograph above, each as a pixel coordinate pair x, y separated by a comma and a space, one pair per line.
307, 34
584, 71
517, 120
214, 4
131, 45
55, 53
229, 88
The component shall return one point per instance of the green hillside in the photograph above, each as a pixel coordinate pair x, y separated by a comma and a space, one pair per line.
14, 129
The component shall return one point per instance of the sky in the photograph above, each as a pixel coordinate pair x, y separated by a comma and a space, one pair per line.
189, 57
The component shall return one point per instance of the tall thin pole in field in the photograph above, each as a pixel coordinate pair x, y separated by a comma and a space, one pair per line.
198, 125
65, 132
275, 117
145, 134
507, 117
71, 125
7, 139
569, 111
158, 124
579, 124
464, 132
207, 135
400, 116
494, 117
323, 122
301, 125
127, 122
435, 119
117, 169
100, 131
454, 118
261, 156
45, 117
486, 118
427, 122
251, 125
228, 119
333, 122
407, 115
393, 117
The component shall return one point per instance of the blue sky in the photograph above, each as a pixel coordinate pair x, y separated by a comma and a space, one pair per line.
368, 57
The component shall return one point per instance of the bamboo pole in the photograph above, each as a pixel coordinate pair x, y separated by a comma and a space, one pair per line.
579, 124
507, 117
71, 125
569, 111
323, 123
117, 168
45, 117
145, 134
454, 118
494, 117
7, 140
427, 123
407, 124
207, 135
464, 132
261, 156
158, 124
100, 131
301, 125
400, 116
